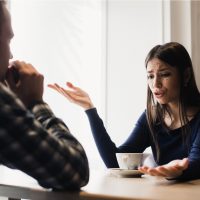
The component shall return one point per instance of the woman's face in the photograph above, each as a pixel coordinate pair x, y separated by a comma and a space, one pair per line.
163, 81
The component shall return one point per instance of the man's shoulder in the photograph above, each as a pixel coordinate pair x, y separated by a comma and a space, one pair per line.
5, 92
8, 97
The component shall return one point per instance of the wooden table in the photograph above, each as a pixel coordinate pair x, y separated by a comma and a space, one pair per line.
102, 186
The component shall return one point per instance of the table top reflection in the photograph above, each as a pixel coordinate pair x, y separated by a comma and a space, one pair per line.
103, 185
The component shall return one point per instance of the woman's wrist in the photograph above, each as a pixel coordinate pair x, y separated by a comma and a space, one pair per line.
88, 106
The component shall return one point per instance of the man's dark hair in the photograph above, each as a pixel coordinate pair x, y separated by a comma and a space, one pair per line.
2, 4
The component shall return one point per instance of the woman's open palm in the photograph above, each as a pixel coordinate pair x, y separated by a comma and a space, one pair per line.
171, 170
74, 94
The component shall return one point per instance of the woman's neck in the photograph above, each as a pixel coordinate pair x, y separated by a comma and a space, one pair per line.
173, 118
173, 110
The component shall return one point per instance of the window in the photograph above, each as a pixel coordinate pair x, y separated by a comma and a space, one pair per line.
99, 45
64, 39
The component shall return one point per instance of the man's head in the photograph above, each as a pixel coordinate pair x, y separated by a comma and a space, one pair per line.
6, 34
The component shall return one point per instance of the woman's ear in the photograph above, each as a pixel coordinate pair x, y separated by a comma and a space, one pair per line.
187, 76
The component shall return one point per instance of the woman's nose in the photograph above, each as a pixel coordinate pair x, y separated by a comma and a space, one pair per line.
157, 83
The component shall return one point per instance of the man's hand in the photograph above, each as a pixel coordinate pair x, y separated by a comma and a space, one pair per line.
171, 170
25, 81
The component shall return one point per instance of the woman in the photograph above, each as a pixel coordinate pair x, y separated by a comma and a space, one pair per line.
171, 122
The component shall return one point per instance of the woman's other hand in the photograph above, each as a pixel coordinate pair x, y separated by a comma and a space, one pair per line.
171, 170
75, 95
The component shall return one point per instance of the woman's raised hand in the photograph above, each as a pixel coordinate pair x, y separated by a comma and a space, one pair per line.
74, 95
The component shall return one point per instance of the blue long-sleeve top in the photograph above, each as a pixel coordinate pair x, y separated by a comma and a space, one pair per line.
170, 143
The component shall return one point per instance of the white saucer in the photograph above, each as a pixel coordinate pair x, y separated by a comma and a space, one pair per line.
125, 172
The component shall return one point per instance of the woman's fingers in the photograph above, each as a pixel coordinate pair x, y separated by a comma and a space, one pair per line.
170, 170
70, 95
51, 86
69, 84
77, 90
143, 169
154, 171
54, 87
75, 95
148, 170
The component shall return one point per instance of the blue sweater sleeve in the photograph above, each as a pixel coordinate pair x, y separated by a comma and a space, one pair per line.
193, 171
137, 141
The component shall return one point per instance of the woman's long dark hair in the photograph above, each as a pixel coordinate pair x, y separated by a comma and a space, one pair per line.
175, 55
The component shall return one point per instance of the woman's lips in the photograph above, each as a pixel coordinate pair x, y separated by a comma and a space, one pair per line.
159, 95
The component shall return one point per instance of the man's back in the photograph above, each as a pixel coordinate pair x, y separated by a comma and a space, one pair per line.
32, 139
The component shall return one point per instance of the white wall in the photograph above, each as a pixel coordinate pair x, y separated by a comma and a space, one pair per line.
181, 23
195, 41
134, 27
184, 28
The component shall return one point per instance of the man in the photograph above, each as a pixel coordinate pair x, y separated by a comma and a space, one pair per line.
32, 139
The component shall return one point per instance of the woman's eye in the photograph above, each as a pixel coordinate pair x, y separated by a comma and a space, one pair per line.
165, 74
149, 76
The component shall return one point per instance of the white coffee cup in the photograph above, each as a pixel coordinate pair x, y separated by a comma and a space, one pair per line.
131, 160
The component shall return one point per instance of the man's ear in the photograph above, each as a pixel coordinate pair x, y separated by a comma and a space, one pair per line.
187, 76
